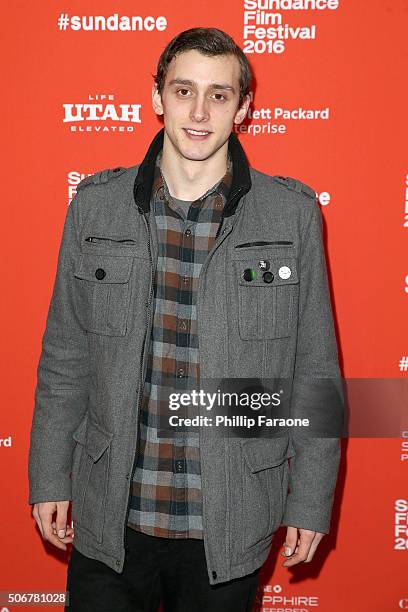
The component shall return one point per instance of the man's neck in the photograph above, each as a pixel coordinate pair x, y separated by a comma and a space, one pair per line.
189, 179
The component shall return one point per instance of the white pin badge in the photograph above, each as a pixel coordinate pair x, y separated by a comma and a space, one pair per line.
284, 272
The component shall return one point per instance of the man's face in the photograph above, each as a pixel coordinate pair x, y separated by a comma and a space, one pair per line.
199, 103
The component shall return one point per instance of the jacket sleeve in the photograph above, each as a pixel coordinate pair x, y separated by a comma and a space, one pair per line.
61, 393
316, 392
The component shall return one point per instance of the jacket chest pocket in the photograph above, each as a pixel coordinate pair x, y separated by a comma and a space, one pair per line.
268, 286
103, 291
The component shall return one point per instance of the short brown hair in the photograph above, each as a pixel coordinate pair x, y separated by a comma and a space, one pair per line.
208, 41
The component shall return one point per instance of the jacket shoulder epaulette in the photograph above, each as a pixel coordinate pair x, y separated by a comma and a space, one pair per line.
296, 185
103, 176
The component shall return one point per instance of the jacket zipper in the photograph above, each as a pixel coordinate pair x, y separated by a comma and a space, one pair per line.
97, 239
262, 243
223, 234
141, 381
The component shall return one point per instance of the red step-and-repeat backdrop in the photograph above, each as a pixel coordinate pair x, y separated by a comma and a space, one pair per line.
329, 107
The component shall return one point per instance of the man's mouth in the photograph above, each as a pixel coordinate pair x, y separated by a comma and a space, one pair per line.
197, 134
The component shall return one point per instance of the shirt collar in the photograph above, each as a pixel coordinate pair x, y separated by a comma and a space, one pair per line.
241, 181
221, 187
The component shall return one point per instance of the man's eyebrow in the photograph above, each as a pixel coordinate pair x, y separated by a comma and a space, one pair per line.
212, 86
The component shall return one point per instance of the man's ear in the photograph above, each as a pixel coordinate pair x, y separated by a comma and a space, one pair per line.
243, 109
156, 101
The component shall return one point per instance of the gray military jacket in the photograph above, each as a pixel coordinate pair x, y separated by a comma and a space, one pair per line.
94, 350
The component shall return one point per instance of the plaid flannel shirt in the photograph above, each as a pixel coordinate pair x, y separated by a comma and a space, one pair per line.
166, 498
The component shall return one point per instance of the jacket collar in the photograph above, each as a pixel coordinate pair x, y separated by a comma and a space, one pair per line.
241, 180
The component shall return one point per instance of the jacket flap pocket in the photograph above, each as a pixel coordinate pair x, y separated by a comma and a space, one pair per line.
80, 432
97, 440
104, 268
267, 452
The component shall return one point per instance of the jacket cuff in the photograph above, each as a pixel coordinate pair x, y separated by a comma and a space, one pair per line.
314, 519
50, 493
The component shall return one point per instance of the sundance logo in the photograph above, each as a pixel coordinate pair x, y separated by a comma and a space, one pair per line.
101, 114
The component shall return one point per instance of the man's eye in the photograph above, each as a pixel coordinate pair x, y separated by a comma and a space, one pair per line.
221, 96
183, 91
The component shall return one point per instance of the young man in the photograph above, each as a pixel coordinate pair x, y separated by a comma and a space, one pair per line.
153, 292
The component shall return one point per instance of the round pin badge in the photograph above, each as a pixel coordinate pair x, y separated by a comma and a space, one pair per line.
284, 272
249, 274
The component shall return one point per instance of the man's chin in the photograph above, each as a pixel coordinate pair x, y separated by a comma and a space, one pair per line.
195, 151
197, 156
200, 153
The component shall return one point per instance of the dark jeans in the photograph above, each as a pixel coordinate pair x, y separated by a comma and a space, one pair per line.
171, 571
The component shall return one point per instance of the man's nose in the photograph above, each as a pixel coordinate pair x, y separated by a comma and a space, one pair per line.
199, 110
